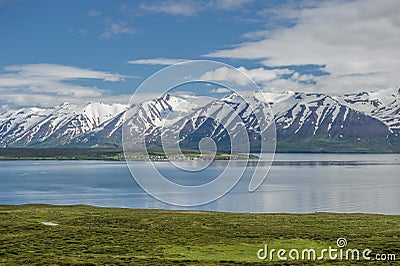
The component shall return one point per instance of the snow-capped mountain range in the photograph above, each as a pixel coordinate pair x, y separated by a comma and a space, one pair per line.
304, 121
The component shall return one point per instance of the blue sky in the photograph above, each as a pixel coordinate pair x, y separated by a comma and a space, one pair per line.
79, 51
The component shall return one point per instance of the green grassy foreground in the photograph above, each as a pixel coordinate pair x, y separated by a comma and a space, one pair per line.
92, 235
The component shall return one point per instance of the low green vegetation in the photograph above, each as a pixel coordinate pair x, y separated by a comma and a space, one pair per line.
116, 154
111, 154
336, 146
98, 236
188, 154
61, 154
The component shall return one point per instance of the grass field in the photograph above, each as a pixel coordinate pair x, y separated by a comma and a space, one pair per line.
92, 235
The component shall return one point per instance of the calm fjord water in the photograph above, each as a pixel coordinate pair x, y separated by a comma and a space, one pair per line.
298, 183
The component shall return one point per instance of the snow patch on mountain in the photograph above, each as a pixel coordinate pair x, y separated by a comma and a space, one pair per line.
33, 126
383, 105
300, 115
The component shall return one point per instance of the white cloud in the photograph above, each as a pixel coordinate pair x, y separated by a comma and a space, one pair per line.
259, 75
114, 28
191, 7
156, 61
60, 72
80, 31
229, 4
50, 84
356, 41
46, 100
220, 90
184, 8
94, 13
256, 34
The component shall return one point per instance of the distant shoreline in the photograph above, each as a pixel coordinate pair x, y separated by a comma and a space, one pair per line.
116, 154
189, 211
103, 154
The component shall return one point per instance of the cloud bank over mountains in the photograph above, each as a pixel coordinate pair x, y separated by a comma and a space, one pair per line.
49, 84
331, 46
354, 42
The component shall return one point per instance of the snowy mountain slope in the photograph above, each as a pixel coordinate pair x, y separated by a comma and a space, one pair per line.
362, 118
302, 115
16, 124
383, 105
107, 134
53, 126
148, 117
219, 120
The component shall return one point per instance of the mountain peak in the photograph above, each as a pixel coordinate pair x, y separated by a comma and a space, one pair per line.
299, 116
